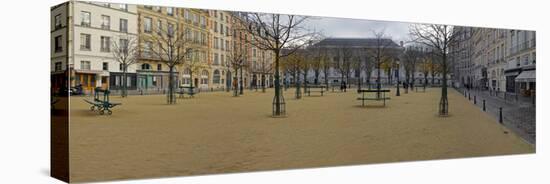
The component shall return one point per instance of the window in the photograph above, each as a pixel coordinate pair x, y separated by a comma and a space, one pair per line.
159, 27
216, 77
145, 66
216, 62
186, 14
221, 44
147, 48
215, 27
221, 15
85, 19
170, 29
123, 7
123, 44
58, 43
203, 39
128, 81
105, 22
226, 31
227, 45
203, 21
105, 66
222, 59
195, 19
204, 77
58, 66
123, 25
85, 65
221, 28
170, 11
147, 25
159, 67
57, 21
85, 42
105, 44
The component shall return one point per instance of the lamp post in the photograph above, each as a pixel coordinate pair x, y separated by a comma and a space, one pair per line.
397, 75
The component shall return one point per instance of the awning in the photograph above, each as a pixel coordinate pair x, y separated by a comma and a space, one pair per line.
526, 76
511, 73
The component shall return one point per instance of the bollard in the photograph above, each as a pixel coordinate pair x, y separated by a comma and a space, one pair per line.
475, 101
483, 105
500, 115
469, 96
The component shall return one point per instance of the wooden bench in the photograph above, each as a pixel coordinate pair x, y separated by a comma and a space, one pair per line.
321, 89
377, 92
186, 90
102, 105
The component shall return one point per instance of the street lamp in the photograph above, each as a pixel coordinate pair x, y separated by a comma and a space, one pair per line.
397, 85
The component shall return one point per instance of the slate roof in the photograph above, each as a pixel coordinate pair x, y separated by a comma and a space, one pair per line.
356, 42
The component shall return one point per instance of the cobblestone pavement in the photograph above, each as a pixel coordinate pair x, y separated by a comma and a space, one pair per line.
518, 115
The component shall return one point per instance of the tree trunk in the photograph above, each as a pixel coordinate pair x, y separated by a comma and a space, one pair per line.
171, 97
236, 79
444, 103
278, 96
124, 92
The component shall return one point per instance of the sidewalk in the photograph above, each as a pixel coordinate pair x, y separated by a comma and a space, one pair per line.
519, 116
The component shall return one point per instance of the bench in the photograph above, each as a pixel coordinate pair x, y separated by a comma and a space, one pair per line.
420, 86
102, 105
186, 90
320, 89
377, 92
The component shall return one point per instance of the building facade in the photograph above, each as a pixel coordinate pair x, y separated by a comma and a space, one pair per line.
358, 50
86, 31
499, 60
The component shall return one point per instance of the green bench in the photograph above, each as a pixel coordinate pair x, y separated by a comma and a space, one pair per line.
102, 105
379, 95
186, 90
320, 89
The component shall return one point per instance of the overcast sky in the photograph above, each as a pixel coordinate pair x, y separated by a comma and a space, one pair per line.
356, 28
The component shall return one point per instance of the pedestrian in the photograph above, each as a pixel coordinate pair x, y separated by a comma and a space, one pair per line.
345, 86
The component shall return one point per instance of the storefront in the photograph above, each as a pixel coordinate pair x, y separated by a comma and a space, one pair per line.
88, 80
527, 82
116, 81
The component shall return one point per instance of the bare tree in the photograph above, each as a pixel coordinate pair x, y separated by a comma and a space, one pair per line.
293, 65
237, 57
171, 49
126, 52
265, 68
344, 63
357, 66
380, 50
412, 56
438, 38
194, 65
276, 32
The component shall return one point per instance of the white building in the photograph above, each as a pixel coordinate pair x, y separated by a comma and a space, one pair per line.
88, 48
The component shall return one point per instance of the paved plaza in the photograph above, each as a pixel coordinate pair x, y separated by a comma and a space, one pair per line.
217, 133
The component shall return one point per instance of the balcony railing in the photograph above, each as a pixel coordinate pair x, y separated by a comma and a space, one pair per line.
85, 24
107, 27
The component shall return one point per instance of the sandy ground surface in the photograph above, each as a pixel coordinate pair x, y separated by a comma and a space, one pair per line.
217, 133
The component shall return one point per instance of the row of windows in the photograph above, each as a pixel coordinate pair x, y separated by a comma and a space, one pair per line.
86, 21
105, 41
